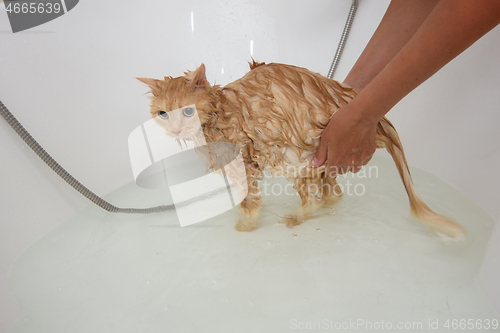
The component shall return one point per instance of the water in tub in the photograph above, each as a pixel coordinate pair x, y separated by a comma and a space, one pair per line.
365, 265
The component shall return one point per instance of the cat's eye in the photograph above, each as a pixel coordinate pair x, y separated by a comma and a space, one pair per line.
188, 112
163, 114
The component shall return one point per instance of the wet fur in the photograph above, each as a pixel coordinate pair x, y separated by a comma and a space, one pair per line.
276, 114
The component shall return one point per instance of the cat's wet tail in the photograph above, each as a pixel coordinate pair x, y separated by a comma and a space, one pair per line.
388, 138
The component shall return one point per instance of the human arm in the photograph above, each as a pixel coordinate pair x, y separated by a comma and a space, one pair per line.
452, 26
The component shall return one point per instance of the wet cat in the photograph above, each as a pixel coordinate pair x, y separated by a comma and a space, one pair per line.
275, 114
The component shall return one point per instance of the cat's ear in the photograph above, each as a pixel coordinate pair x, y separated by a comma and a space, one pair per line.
197, 79
152, 83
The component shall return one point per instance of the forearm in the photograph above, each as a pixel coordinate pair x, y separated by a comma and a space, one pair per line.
451, 27
400, 22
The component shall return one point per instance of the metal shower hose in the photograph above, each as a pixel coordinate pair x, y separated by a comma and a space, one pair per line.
35, 146
343, 39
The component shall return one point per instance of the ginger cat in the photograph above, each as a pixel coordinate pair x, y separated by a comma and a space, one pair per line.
275, 114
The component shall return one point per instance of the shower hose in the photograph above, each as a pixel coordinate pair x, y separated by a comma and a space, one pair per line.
35, 146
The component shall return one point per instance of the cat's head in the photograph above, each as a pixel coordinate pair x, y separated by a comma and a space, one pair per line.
172, 97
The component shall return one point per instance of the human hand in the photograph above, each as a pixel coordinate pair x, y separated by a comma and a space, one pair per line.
347, 143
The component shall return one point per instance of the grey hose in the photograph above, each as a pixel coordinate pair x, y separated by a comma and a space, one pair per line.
35, 146
343, 39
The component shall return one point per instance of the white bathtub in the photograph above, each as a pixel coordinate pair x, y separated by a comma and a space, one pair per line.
71, 83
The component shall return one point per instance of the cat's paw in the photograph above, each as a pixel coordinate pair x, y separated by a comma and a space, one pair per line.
247, 223
331, 200
293, 220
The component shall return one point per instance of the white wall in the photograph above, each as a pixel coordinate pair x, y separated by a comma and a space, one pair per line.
71, 84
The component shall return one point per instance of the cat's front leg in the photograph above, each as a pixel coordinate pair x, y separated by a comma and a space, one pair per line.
250, 206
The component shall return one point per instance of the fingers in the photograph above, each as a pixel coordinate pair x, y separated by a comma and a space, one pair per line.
336, 165
321, 154
332, 166
346, 145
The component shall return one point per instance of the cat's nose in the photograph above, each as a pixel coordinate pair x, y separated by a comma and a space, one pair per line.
177, 131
